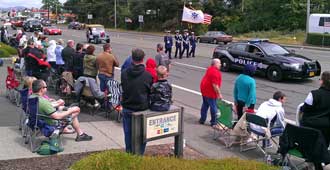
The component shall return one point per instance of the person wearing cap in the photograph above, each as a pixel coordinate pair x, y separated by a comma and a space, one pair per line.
245, 90
192, 40
178, 43
185, 43
168, 40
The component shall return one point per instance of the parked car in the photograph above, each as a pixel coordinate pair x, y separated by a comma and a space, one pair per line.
215, 37
46, 22
52, 30
97, 34
32, 25
74, 25
18, 23
271, 60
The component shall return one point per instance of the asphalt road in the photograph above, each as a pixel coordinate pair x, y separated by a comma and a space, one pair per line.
185, 74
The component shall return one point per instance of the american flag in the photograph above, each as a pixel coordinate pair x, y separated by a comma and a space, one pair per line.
207, 19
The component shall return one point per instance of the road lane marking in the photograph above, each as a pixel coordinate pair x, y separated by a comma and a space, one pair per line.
188, 65
199, 93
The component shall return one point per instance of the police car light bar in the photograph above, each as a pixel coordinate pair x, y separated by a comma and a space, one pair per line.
253, 41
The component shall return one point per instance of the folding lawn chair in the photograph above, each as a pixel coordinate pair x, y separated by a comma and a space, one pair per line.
113, 98
305, 143
225, 122
268, 134
23, 117
36, 124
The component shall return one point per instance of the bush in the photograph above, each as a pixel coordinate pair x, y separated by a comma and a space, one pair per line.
318, 39
122, 161
9, 49
4, 53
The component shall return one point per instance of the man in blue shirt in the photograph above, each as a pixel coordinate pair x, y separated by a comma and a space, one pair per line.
192, 40
168, 40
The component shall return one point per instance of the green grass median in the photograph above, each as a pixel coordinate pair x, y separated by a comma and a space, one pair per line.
116, 160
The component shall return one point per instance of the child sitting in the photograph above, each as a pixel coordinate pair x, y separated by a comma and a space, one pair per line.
161, 91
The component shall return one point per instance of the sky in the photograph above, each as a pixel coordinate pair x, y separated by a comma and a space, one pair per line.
25, 3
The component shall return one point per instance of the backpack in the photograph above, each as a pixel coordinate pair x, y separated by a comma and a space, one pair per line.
50, 147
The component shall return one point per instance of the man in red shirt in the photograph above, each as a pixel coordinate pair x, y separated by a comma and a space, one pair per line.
210, 88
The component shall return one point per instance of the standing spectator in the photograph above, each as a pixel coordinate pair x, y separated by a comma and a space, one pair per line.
90, 69
67, 55
51, 56
210, 88
192, 40
59, 59
178, 43
168, 40
161, 91
127, 63
185, 44
273, 111
106, 63
245, 90
151, 68
316, 108
161, 58
136, 84
35, 36
78, 61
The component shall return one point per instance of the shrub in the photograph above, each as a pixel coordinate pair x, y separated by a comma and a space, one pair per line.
318, 39
122, 161
4, 53
9, 49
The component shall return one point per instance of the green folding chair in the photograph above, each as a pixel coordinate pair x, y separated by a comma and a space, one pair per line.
225, 122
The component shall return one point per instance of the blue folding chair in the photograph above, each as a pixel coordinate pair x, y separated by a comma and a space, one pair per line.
23, 117
37, 125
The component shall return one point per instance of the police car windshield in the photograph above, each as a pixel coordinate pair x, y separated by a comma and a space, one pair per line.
272, 49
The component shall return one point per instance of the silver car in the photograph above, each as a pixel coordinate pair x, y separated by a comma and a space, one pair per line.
97, 34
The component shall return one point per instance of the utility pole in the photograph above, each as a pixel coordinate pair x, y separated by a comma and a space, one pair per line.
48, 8
307, 18
56, 11
115, 14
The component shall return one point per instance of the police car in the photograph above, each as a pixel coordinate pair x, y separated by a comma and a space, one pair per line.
271, 60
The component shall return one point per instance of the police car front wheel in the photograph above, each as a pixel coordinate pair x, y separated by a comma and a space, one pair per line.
274, 73
225, 64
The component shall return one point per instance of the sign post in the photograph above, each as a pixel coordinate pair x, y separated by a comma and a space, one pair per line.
141, 21
89, 17
150, 125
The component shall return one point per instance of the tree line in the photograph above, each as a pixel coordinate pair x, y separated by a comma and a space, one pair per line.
232, 16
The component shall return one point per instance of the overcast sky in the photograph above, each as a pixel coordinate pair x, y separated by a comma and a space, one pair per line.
25, 3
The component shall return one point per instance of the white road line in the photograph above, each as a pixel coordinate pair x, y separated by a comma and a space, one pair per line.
188, 65
199, 93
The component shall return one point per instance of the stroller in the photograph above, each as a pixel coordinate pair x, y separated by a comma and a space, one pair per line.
113, 99
12, 85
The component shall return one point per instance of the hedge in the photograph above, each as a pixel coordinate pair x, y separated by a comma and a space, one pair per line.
6, 50
318, 39
116, 160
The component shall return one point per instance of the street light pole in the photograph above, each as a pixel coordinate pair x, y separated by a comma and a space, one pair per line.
307, 16
115, 14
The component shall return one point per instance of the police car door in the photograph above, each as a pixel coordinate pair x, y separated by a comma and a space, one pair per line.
256, 56
237, 55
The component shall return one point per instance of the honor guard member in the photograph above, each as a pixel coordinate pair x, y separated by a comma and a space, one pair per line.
185, 40
178, 43
193, 41
168, 40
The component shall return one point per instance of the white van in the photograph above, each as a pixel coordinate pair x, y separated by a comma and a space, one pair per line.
319, 23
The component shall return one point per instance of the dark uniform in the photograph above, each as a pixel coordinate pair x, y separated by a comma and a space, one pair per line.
185, 44
178, 43
168, 40
192, 40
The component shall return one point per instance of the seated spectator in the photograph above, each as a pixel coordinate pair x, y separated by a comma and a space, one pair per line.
151, 68
161, 91
39, 88
28, 84
273, 111
316, 108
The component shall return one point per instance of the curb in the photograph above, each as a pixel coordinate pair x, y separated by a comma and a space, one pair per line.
307, 47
